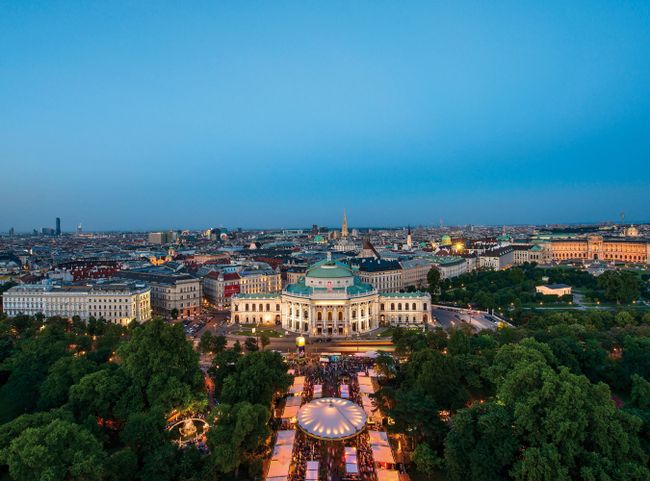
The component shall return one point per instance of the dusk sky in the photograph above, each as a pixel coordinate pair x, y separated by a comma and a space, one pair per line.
151, 115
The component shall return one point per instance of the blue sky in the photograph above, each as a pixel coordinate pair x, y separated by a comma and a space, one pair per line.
147, 115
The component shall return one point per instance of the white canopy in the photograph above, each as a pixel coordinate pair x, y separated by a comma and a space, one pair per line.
298, 385
291, 407
381, 450
281, 457
331, 418
312, 471
387, 475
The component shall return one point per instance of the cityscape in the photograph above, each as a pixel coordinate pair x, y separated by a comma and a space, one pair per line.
294, 241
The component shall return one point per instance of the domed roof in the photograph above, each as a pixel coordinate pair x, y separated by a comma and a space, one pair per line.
329, 269
445, 240
331, 419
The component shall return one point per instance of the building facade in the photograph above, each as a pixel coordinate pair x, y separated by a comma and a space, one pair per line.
170, 291
497, 259
331, 301
115, 302
219, 287
415, 273
383, 275
596, 247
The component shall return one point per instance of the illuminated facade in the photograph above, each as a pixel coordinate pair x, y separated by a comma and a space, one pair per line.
115, 302
331, 301
595, 247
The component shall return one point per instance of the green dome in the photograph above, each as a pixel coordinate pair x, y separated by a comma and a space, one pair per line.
445, 240
318, 238
329, 270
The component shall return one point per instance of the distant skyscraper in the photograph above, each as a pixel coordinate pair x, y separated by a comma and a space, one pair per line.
79, 229
11, 231
344, 227
58, 226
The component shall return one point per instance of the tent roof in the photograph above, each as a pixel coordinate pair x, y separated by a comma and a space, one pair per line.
331, 418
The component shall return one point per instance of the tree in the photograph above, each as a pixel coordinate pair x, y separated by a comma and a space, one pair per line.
386, 365
58, 451
434, 278
251, 344
265, 340
162, 365
620, 286
256, 378
624, 318
205, 344
565, 422
640, 393
174, 313
239, 432
426, 460
100, 394
64, 373
481, 444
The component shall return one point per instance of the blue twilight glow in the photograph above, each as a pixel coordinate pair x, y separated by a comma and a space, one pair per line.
147, 114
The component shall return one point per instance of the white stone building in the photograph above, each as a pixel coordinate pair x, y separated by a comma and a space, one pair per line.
331, 301
115, 302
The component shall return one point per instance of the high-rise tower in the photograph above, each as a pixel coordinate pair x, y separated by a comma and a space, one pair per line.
344, 227
58, 226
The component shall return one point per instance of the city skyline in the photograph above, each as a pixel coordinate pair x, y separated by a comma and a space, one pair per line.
125, 117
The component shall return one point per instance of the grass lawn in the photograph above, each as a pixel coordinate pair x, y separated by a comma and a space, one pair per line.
247, 330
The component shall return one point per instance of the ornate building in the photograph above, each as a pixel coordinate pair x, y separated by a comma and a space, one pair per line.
595, 247
331, 301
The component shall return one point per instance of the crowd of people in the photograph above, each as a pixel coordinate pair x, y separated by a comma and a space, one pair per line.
330, 455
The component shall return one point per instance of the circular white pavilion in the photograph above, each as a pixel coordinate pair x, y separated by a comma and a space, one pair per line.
331, 419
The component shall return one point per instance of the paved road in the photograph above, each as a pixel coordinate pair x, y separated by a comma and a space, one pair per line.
448, 318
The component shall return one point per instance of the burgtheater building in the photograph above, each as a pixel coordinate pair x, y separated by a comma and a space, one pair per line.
331, 301
596, 247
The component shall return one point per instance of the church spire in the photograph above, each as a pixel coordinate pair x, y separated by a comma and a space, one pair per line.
344, 227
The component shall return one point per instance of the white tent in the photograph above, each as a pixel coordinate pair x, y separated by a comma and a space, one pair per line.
318, 391
365, 385
351, 465
387, 475
291, 407
345, 391
381, 450
312, 471
298, 385
281, 457
331, 418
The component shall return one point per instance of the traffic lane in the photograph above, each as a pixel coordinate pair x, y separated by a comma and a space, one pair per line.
452, 318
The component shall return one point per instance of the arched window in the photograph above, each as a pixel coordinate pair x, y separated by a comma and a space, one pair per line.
340, 316
392, 306
277, 307
268, 307
246, 306
399, 306
237, 318
381, 306
406, 306
319, 316
236, 307
354, 314
329, 316
254, 306
414, 308
424, 306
